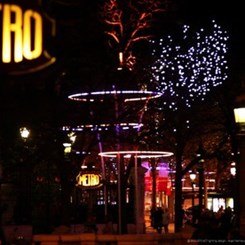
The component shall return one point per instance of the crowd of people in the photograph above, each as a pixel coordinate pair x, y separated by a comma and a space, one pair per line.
222, 224
160, 219
208, 224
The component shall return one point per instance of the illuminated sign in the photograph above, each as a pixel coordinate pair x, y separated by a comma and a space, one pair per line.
22, 38
88, 180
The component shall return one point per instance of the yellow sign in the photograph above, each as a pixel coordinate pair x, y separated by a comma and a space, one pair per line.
88, 180
22, 38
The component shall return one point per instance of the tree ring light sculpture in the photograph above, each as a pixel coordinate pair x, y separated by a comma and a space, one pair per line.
127, 95
138, 154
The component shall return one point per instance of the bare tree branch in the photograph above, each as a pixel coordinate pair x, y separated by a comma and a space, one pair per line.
128, 21
113, 35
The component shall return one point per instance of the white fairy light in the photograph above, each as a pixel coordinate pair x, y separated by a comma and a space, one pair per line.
189, 71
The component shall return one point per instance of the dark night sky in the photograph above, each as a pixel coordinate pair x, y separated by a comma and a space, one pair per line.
231, 16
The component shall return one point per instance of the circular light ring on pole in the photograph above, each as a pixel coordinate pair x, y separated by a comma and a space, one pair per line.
127, 95
102, 126
138, 154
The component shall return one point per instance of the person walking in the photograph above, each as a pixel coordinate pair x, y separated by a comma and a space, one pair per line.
158, 220
165, 219
108, 227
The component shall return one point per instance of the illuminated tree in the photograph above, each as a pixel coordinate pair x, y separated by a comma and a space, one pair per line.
186, 71
128, 23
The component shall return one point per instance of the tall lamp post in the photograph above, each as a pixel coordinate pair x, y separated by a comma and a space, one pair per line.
239, 203
193, 183
200, 169
233, 184
23, 179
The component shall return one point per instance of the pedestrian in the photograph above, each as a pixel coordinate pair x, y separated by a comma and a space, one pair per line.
90, 225
182, 217
225, 224
158, 220
152, 211
165, 219
108, 227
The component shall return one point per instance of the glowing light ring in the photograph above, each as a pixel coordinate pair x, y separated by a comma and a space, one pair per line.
138, 154
103, 126
130, 95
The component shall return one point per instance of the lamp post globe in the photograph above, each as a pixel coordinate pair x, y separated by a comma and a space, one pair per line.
193, 179
24, 133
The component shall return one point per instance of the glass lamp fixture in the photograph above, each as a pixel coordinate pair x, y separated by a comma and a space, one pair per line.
239, 114
193, 177
72, 136
67, 148
233, 169
239, 110
24, 132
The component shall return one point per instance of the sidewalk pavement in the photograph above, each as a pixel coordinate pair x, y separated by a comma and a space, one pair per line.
186, 231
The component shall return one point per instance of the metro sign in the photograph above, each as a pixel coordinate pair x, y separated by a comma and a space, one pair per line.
22, 39
88, 180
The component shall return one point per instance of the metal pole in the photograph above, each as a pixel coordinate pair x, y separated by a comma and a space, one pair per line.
193, 213
201, 181
136, 194
119, 193
103, 175
153, 171
193, 196
241, 185
120, 166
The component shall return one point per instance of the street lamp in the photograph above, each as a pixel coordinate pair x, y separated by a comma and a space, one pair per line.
200, 169
24, 133
23, 181
193, 178
239, 114
233, 169
68, 145
233, 186
239, 203
193, 184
